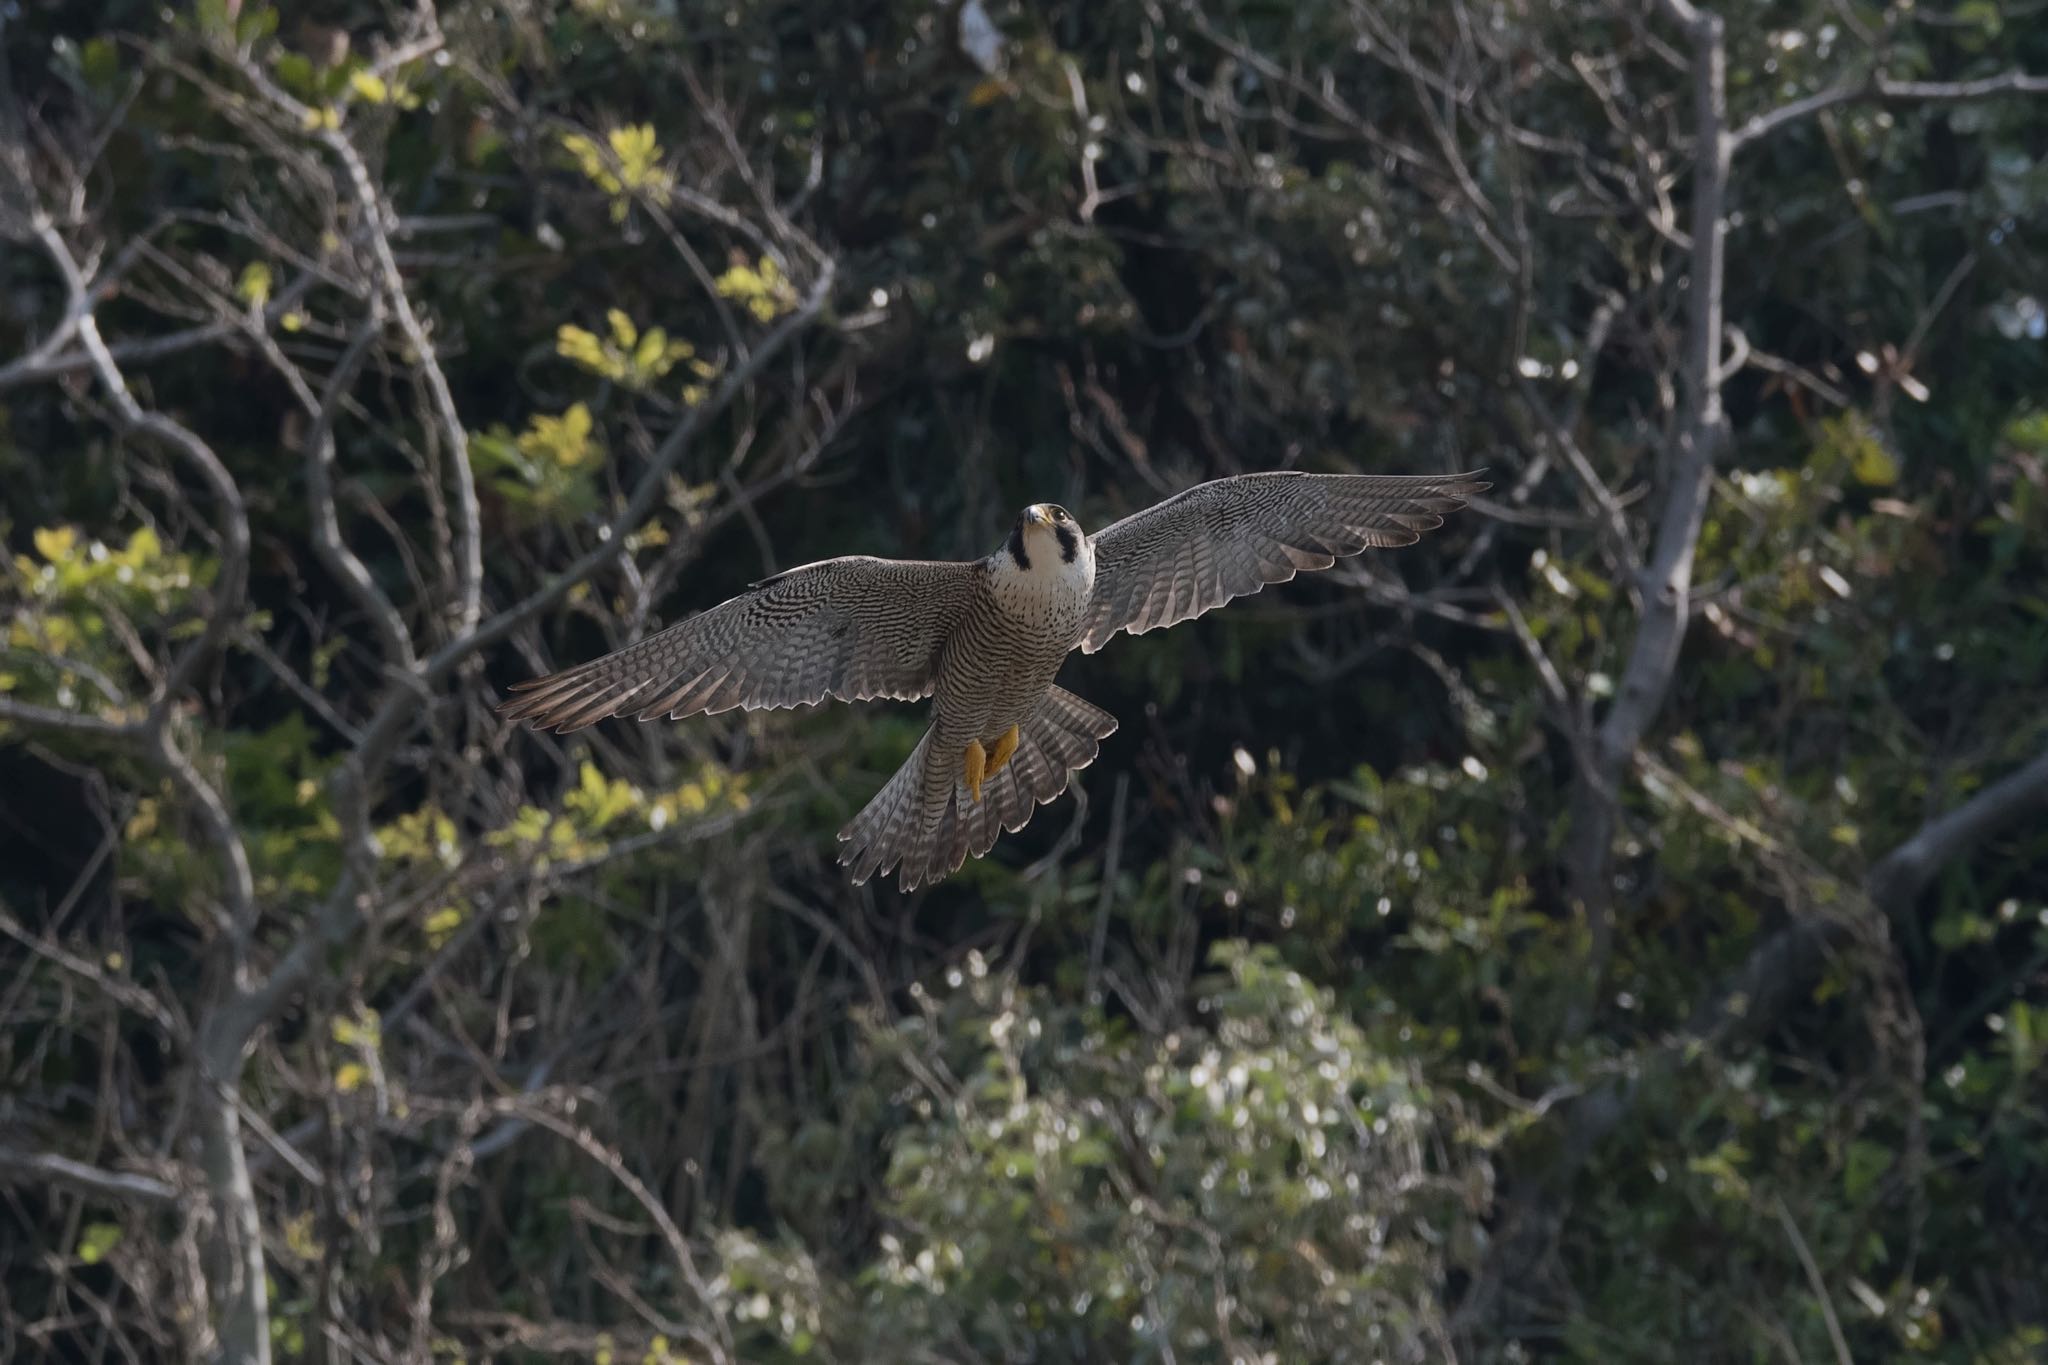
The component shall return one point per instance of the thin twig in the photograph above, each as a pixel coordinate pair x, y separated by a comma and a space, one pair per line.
1814, 1281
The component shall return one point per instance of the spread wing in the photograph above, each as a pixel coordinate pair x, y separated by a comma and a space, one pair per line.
854, 628
1220, 540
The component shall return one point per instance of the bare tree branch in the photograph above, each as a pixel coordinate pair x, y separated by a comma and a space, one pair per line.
341, 561
718, 1339
68, 722
1901, 875
1815, 1281
228, 1033
1666, 580
233, 525
22, 1167
1881, 89
231, 589
124, 993
1747, 1003
239, 1292
53, 359
376, 221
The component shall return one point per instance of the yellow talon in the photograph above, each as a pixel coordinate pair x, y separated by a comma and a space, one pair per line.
977, 768
1005, 746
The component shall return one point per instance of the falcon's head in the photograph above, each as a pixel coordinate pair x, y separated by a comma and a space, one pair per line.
1044, 535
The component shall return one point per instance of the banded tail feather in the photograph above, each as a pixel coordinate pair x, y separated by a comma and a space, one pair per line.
923, 823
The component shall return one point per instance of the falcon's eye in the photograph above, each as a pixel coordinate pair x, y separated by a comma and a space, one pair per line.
1059, 514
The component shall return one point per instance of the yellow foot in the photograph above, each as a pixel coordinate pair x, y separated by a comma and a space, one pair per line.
977, 768
1005, 746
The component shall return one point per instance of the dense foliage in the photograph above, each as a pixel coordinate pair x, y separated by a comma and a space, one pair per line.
1613, 929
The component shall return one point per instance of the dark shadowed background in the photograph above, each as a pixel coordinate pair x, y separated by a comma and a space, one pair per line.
1615, 928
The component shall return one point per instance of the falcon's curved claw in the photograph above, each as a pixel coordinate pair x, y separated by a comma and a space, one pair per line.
1005, 746
981, 765
977, 768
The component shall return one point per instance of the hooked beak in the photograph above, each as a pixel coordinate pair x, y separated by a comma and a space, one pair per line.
1037, 515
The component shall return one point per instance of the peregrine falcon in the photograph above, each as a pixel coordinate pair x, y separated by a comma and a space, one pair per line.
983, 639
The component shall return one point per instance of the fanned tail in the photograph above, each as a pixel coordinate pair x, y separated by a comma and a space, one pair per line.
924, 822
892, 827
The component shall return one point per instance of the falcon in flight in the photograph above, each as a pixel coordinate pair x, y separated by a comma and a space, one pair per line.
983, 639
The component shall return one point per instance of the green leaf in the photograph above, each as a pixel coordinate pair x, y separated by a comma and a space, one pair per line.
565, 440
648, 354
1982, 15
1875, 465
575, 344
2023, 1029
257, 23
95, 1240
295, 73
212, 17
99, 61
1089, 1151
55, 543
253, 288
1866, 1164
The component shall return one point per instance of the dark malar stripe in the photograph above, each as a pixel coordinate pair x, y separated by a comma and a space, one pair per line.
1016, 546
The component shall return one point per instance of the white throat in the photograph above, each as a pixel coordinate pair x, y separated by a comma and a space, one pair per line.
1049, 591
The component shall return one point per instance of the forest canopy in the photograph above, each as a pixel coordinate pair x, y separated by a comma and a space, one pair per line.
1614, 928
